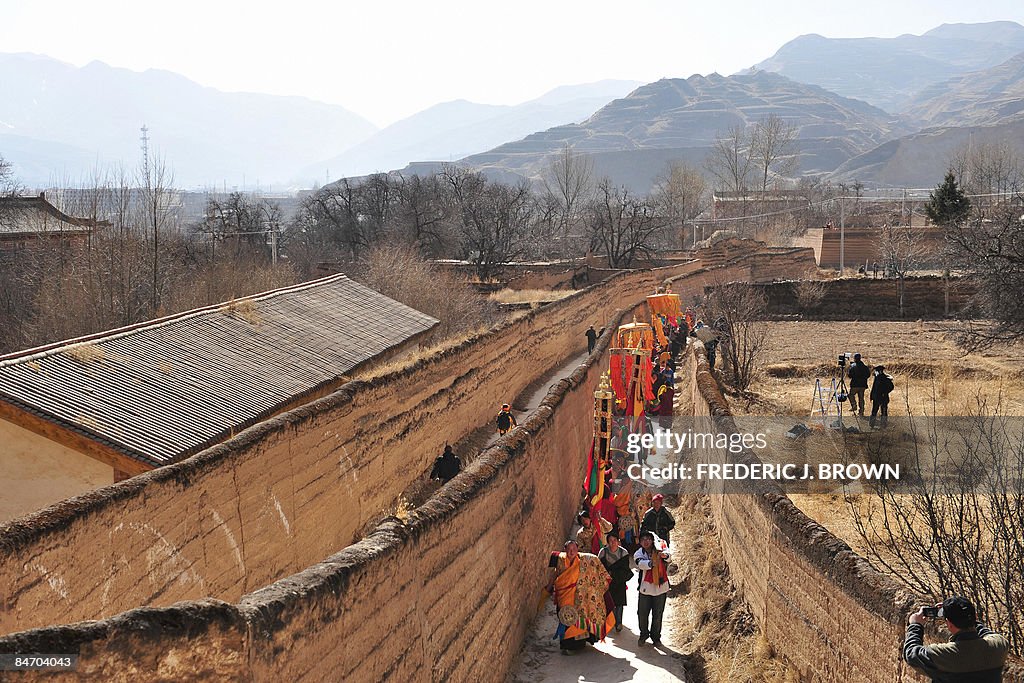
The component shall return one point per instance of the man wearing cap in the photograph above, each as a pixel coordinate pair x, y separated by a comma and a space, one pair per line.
506, 420
658, 519
880, 390
974, 653
859, 373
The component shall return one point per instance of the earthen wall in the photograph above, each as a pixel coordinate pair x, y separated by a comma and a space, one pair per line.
445, 594
821, 606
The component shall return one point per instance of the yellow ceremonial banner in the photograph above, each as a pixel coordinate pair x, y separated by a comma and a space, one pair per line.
665, 304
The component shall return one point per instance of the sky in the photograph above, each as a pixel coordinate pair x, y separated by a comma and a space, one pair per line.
388, 60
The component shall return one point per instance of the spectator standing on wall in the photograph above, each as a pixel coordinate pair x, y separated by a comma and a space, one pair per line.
974, 653
658, 519
446, 466
859, 373
880, 390
651, 558
591, 339
505, 420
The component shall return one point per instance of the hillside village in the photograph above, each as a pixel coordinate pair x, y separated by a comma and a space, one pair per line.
222, 410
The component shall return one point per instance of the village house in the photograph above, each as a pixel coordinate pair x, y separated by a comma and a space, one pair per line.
30, 221
84, 413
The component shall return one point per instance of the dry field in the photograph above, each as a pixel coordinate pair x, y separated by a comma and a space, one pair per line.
932, 377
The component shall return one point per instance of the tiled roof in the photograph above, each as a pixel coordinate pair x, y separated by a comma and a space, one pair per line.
19, 215
171, 387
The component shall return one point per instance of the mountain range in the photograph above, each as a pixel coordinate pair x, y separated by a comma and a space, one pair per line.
633, 138
453, 130
878, 110
206, 135
887, 72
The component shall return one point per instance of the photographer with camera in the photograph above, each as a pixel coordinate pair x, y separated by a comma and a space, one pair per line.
974, 653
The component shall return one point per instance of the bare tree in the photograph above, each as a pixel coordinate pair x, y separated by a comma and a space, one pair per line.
245, 219
988, 168
157, 193
493, 218
772, 153
901, 251
623, 226
568, 181
739, 310
423, 212
681, 194
992, 250
953, 523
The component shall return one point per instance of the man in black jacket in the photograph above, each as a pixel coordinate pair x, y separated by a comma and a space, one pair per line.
880, 390
858, 373
658, 519
974, 653
591, 339
446, 466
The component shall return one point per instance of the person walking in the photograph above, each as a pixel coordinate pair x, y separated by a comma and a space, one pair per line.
506, 420
658, 519
880, 390
616, 560
859, 373
651, 558
591, 339
446, 466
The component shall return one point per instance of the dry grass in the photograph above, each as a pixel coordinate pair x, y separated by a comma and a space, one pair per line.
243, 309
411, 358
85, 353
529, 296
932, 375
722, 641
402, 509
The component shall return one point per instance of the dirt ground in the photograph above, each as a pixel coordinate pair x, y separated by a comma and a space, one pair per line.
931, 374
932, 377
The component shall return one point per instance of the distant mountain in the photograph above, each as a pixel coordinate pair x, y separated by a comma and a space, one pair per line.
991, 96
887, 71
205, 135
632, 139
452, 130
921, 159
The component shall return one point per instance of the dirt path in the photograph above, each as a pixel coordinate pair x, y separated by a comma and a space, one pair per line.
616, 660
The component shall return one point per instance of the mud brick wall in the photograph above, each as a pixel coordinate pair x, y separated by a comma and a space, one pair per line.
288, 492
820, 605
446, 595
871, 299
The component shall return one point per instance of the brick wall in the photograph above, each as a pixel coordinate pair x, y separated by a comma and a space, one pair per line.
820, 605
871, 299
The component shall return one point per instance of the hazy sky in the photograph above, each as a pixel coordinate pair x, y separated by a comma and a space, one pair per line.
386, 60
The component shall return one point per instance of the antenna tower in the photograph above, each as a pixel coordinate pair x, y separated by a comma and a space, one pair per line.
145, 152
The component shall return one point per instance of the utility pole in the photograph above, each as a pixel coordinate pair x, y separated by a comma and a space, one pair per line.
842, 235
273, 246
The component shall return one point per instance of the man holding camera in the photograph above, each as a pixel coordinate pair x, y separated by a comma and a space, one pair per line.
974, 653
